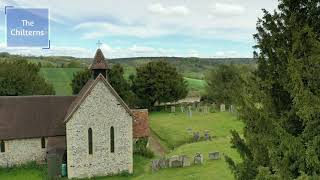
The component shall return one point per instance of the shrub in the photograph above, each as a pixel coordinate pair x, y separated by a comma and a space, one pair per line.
140, 148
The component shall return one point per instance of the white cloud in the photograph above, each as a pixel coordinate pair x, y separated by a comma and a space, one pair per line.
102, 29
169, 10
226, 54
225, 9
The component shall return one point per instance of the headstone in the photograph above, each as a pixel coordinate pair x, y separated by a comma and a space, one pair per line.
155, 165
196, 136
189, 111
207, 136
173, 161
214, 155
198, 159
222, 107
163, 163
198, 107
185, 161
173, 109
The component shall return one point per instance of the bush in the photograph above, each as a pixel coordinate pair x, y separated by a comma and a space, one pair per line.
140, 148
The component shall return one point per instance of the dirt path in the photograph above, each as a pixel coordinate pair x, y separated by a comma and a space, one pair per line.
155, 145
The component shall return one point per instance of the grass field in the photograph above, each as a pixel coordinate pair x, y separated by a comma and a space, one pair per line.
61, 78
172, 129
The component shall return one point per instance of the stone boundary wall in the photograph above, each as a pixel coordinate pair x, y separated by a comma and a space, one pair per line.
21, 151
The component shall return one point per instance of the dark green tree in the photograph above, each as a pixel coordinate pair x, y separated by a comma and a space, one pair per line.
115, 78
158, 82
223, 83
19, 78
79, 79
280, 104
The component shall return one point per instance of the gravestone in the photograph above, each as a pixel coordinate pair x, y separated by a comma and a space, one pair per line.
196, 136
155, 165
185, 161
172, 161
189, 111
173, 109
222, 107
176, 163
198, 159
214, 155
163, 163
207, 136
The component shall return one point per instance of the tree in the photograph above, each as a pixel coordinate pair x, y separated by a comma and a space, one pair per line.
158, 82
281, 104
223, 83
115, 78
19, 78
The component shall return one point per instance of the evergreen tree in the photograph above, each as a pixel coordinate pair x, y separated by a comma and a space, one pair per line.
281, 104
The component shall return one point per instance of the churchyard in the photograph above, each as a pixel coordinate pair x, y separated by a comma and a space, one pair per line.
175, 132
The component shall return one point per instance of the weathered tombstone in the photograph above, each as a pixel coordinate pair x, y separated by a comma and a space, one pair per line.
173, 109
189, 111
163, 163
207, 136
172, 161
185, 161
176, 163
194, 105
198, 159
155, 165
213, 107
196, 136
198, 107
214, 155
205, 109
222, 107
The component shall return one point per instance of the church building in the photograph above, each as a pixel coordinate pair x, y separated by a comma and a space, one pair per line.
92, 132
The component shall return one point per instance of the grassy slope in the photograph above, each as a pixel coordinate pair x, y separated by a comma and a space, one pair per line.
60, 78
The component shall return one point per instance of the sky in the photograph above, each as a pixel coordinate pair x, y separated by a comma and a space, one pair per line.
126, 28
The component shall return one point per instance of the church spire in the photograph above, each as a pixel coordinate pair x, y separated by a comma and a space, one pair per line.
99, 65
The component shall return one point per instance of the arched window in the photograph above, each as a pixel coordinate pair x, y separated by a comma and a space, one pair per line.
43, 142
90, 140
2, 147
112, 139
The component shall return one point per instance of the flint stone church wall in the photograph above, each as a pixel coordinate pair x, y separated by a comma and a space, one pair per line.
100, 111
21, 151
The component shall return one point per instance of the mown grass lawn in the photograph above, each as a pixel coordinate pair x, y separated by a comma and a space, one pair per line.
196, 84
172, 129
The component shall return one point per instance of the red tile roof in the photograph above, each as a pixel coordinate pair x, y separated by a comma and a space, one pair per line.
140, 123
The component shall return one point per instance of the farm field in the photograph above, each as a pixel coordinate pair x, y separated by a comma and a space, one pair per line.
61, 78
172, 130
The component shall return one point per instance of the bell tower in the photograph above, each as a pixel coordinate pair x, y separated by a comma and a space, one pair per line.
99, 65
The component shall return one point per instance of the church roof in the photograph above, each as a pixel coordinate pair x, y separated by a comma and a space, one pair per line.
85, 91
99, 62
33, 116
140, 123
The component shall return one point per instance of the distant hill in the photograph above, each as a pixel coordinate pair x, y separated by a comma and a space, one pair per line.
59, 70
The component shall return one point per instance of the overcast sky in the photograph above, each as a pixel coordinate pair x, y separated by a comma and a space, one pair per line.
201, 28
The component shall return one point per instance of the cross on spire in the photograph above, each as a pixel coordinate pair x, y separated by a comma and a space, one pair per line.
99, 43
